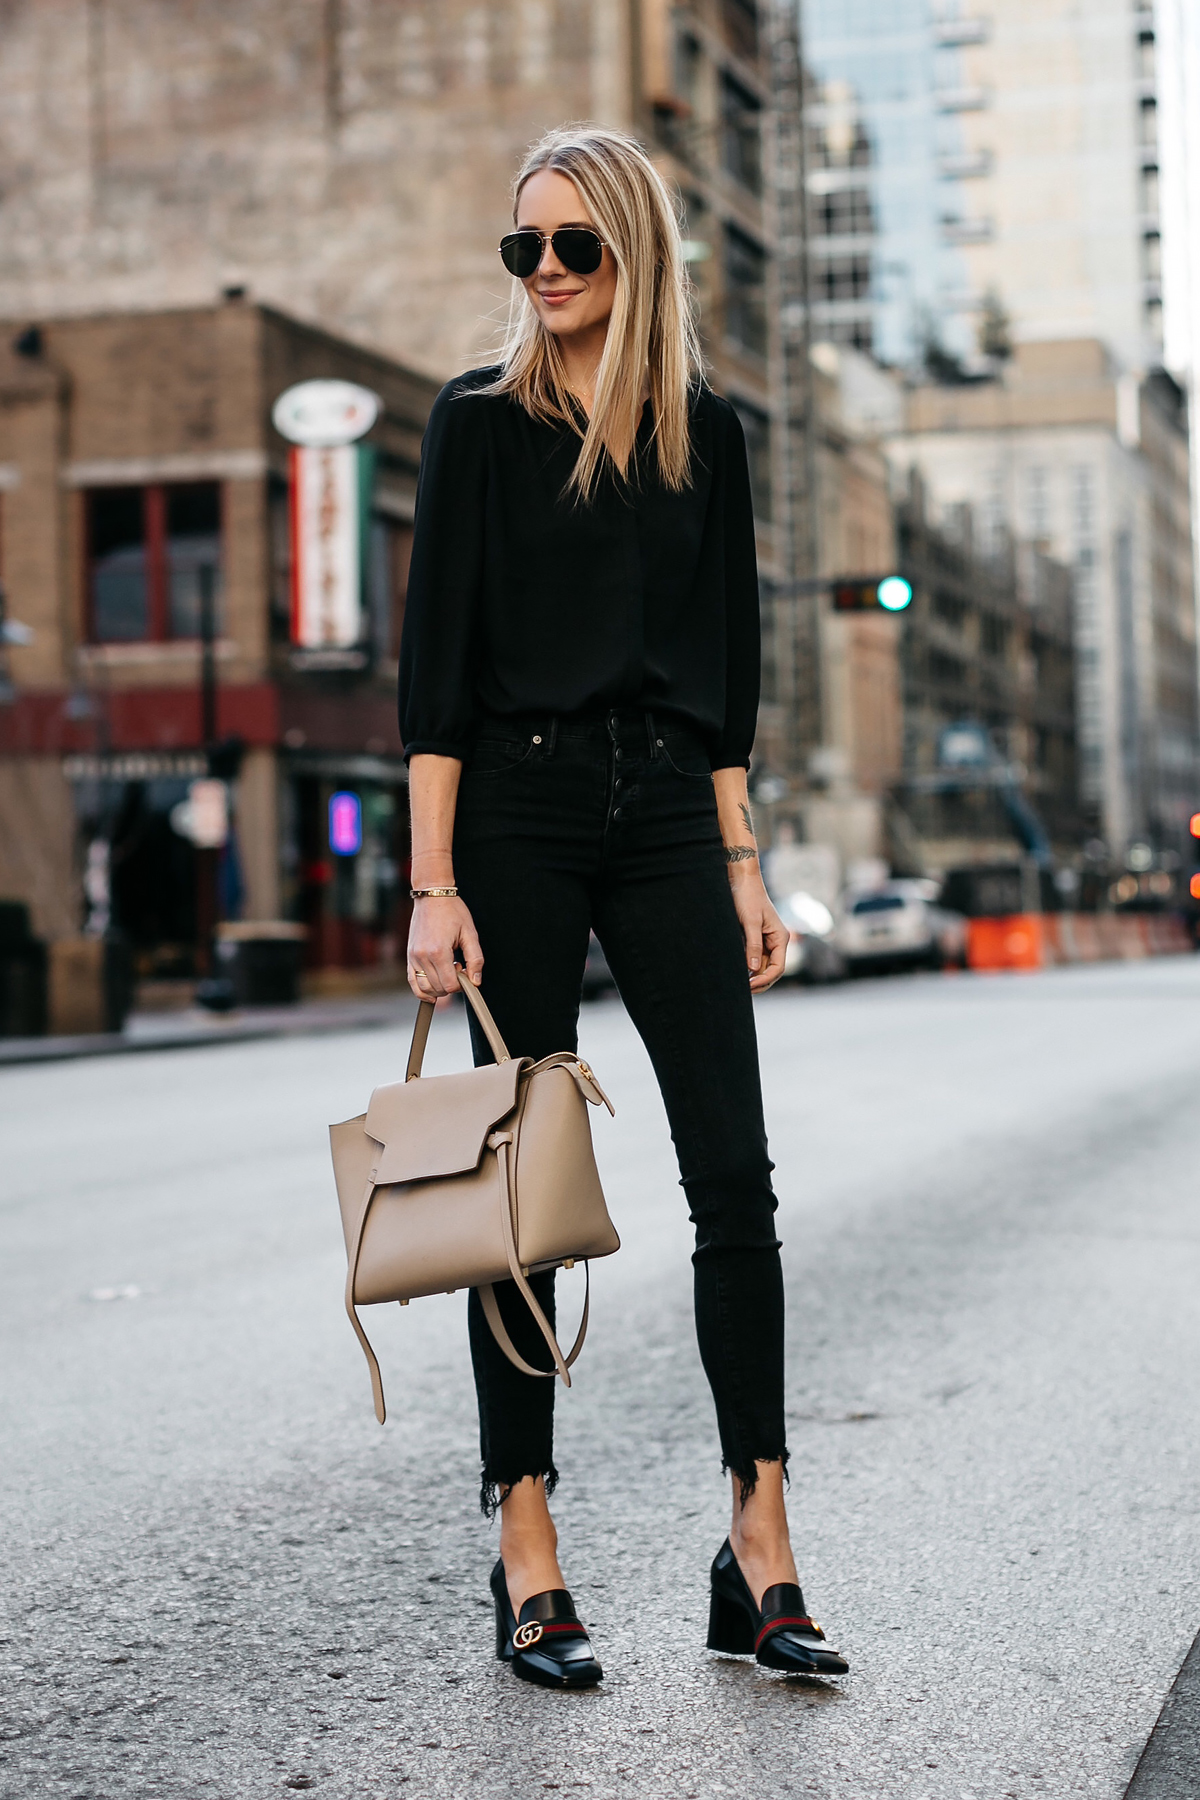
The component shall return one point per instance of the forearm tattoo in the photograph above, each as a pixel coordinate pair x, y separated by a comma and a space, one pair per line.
735, 853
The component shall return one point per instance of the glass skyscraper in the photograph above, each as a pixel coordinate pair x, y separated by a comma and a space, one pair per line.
898, 66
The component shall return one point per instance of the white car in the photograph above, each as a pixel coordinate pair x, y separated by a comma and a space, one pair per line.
898, 925
811, 954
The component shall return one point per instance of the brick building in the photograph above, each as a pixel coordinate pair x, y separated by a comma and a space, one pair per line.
134, 450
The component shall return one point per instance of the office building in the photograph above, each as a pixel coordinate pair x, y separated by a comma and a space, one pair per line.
1091, 464
1015, 176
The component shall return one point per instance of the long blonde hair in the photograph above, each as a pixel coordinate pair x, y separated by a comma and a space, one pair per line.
652, 335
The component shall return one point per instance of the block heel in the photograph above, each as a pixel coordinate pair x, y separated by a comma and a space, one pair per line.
779, 1634
503, 1636
729, 1630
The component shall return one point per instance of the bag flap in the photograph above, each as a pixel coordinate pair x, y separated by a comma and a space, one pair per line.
438, 1124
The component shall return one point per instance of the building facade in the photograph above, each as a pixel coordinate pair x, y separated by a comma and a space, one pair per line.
988, 674
138, 458
1091, 465
1015, 177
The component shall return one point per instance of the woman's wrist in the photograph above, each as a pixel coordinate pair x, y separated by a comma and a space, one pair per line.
742, 871
431, 868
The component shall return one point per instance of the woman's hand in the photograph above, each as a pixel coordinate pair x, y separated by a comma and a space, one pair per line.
442, 926
438, 929
763, 930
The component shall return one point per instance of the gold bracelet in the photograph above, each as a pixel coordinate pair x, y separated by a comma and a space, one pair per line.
450, 893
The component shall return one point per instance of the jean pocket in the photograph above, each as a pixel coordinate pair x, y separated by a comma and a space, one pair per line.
685, 755
496, 756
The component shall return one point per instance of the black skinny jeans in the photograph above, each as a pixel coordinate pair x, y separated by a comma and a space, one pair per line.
610, 823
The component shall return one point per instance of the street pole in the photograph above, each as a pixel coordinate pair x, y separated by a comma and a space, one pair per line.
797, 650
206, 859
206, 574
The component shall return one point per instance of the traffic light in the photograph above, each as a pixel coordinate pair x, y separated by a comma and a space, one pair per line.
1194, 825
887, 593
1194, 828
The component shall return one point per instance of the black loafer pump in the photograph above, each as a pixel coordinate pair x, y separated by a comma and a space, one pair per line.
779, 1636
547, 1644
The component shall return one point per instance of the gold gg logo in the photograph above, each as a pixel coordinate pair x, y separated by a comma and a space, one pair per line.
526, 1635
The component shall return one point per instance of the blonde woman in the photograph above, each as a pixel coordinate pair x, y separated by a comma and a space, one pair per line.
578, 692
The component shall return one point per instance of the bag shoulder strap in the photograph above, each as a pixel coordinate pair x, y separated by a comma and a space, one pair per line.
352, 1310
420, 1036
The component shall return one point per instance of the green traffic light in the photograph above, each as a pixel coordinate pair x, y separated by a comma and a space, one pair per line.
894, 593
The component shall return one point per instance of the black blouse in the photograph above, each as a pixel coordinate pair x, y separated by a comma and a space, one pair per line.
521, 600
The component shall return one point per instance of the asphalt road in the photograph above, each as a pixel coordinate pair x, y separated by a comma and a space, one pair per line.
222, 1578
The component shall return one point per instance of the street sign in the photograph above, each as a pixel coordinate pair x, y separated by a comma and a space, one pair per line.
345, 823
321, 414
328, 493
872, 593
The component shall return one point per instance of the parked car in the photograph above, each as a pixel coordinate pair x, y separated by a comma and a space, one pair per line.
900, 925
811, 953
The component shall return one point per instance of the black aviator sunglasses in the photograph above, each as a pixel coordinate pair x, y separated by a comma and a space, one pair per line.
576, 248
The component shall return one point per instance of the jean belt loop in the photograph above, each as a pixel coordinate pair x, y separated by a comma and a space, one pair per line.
552, 735
651, 737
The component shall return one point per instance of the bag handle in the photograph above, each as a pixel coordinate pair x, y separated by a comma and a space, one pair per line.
491, 1310
420, 1036
502, 1142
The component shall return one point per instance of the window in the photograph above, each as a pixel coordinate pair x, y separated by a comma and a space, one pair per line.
741, 26
1152, 256
741, 141
193, 543
1149, 121
846, 212
948, 608
1150, 189
757, 428
688, 57
842, 277
856, 332
147, 550
994, 634
117, 539
1039, 501
745, 291
945, 669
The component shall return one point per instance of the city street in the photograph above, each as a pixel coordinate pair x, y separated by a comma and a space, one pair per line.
223, 1578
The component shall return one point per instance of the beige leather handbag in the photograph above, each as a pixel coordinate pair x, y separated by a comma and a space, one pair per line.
452, 1181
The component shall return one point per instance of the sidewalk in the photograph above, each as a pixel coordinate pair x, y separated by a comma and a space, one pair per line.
185, 1030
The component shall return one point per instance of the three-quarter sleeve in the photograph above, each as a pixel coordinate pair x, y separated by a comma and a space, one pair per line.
441, 635
742, 630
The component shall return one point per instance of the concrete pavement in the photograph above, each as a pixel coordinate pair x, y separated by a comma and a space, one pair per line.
223, 1578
